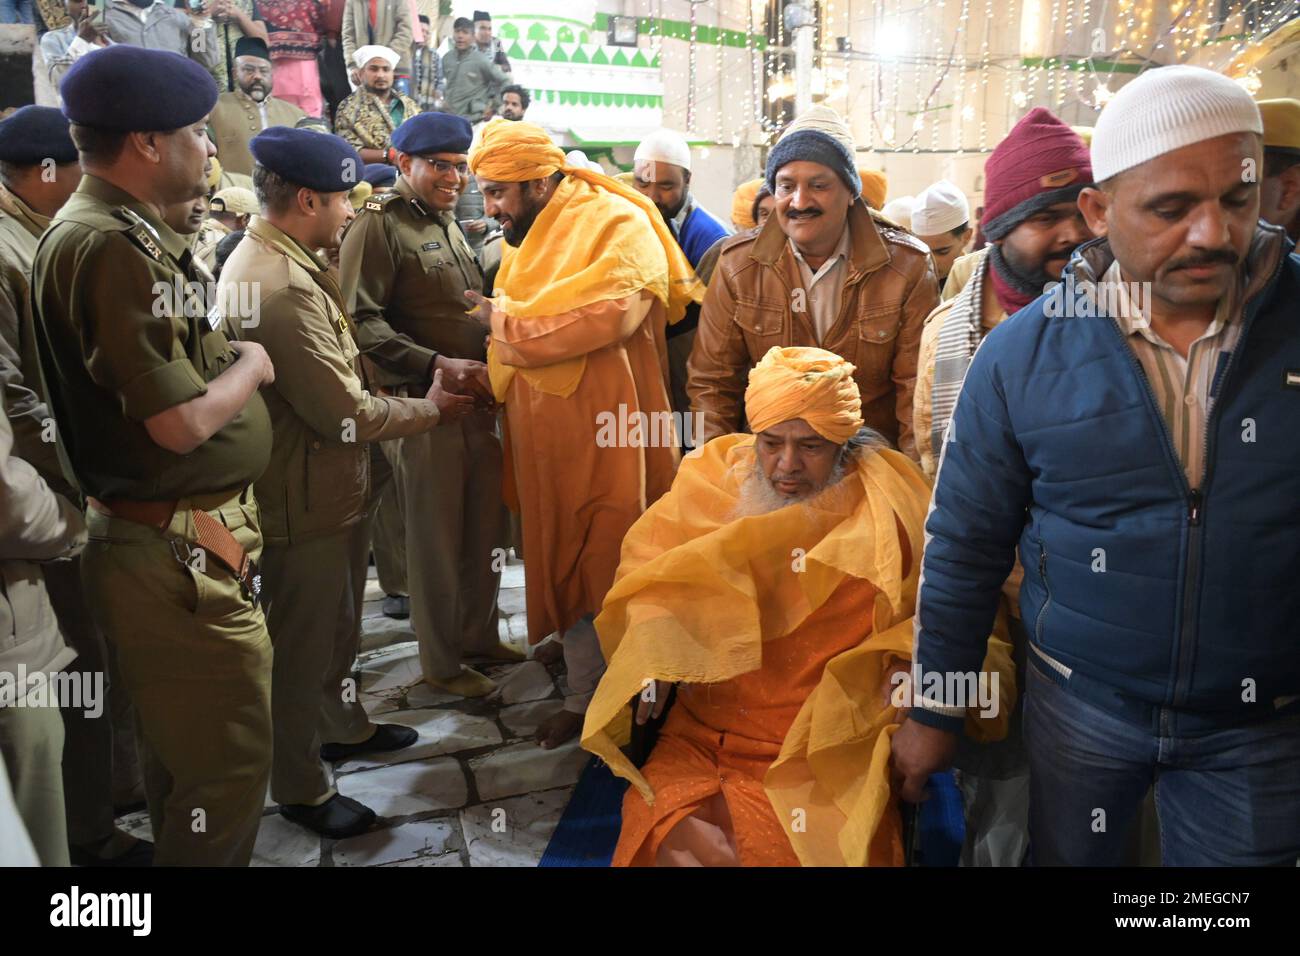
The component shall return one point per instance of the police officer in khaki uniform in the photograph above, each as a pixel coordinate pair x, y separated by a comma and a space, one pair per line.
29, 196
404, 268
314, 493
161, 423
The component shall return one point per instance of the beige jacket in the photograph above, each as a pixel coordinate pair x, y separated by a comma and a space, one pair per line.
35, 525
237, 118
392, 29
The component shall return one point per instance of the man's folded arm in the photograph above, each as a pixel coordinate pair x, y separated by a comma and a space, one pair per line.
981, 495
35, 523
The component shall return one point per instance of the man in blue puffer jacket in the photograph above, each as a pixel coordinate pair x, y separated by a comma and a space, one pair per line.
1134, 430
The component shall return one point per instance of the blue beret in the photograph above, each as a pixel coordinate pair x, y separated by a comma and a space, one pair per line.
34, 134
380, 174
320, 161
427, 133
129, 89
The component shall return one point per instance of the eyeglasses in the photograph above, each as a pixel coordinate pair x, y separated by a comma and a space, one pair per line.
442, 167
248, 69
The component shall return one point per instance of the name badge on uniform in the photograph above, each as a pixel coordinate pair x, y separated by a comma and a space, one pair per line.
214, 318
430, 246
1293, 378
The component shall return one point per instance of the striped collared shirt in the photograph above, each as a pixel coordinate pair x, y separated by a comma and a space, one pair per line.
1184, 388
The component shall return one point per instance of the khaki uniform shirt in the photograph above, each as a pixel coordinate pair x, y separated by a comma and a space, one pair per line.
367, 123
404, 269
321, 414
118, 346
21, 228
205, 242
35, 525
236, 119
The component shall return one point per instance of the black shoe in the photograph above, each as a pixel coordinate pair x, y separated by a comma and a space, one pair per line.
336, 818
385, 737
397, 606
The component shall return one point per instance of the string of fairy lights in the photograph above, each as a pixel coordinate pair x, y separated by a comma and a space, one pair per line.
943, 75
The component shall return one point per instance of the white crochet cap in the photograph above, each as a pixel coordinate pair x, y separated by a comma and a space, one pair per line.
900, 211
367, 53
576, 157
664, 146
1165, 109
939, 208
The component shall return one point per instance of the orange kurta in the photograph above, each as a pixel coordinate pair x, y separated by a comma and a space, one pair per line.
577, 496
722, 738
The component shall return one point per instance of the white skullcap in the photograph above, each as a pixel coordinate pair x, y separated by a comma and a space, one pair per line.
367, 53
576, 157
1165, 109
900, 211
939, 208
664, 146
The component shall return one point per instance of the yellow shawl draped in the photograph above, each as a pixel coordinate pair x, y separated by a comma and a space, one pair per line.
588, 244
699, 591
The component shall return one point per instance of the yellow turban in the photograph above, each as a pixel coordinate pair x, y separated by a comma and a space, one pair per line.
515, 152
807, 383
214, 177
742, 204
875, 186
598, 250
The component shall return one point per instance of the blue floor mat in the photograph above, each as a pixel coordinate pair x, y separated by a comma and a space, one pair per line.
588, 831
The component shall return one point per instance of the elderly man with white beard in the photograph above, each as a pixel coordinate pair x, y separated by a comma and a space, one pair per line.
773, 588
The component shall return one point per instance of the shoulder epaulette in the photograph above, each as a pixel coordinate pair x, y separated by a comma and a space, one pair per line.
140, 233
379, 203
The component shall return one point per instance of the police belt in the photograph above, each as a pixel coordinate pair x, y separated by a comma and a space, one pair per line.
210, 534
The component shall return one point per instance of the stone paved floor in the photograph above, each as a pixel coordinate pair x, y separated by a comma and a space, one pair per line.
472, 791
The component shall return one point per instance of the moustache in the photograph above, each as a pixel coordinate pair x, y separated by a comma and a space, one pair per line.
802, 213
1225, 256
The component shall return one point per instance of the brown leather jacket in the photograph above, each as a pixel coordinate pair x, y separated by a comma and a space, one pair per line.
889, 290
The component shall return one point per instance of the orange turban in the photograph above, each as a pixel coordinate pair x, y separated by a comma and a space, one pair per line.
742, 204
515, 152
807, 383
875, 186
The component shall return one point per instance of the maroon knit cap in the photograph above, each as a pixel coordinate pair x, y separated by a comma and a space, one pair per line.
1040, 163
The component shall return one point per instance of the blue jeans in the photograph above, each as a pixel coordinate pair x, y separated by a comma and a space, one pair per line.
16, 11
1226, 798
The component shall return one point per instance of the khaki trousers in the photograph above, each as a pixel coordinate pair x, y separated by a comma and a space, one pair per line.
313, 611
31, 743
195, 658
389, 532
89, 742
449, 479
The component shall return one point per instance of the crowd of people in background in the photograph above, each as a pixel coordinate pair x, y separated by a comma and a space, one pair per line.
870, 476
